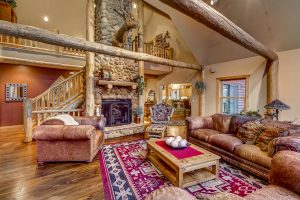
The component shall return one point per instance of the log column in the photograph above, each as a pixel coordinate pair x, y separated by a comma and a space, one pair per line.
90, 60
141, 50
272, 68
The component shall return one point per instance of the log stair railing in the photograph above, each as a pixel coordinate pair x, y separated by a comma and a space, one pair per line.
55, 100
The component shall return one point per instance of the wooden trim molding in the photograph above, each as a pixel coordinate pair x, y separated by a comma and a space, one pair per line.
11, 128
228, 78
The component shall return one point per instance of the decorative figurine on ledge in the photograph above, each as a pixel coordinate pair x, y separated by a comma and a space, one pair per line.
276, 106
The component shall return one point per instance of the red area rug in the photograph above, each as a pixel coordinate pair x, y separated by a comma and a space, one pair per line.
128, 175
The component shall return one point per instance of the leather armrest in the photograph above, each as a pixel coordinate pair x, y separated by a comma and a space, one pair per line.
199, 122
291, 143
97, 122
285, 169
63, 132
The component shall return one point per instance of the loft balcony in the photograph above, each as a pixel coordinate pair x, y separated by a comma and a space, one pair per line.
23, 51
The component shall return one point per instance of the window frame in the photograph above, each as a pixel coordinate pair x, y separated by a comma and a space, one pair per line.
220, 97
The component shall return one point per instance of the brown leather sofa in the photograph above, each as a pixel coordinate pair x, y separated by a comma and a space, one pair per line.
57, 142
217, 133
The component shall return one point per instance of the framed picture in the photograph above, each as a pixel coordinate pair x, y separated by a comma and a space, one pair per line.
15, 92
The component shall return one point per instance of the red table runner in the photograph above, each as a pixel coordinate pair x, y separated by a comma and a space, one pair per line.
180, 154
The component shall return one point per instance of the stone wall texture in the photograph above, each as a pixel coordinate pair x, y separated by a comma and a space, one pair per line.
107, 23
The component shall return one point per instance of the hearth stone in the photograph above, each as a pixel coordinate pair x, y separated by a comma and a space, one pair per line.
119, 131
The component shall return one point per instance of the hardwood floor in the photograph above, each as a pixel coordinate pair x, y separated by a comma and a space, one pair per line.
22, 178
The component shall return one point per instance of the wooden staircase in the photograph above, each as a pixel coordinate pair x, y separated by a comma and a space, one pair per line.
63, 96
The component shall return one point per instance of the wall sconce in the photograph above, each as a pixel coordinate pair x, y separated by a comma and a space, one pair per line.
212, 70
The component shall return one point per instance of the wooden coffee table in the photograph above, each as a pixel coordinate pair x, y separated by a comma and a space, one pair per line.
184, 172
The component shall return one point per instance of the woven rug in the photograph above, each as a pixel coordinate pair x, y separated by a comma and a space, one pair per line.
128, 175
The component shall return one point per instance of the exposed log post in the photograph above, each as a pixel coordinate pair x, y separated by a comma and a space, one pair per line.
201, 96
272, 68
27, 109
206, 15
141, 50
33, 33
90, 60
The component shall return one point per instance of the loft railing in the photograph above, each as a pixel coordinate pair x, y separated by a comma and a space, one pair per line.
15, 42
154, 50
52, 102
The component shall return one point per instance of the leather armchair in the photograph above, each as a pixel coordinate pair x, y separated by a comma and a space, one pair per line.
56, 143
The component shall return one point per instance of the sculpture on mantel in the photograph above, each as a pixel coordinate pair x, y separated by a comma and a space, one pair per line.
120, 37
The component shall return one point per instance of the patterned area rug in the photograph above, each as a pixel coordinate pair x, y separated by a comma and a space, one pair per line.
128, 175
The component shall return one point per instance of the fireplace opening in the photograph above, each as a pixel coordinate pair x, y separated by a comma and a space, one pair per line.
117, 112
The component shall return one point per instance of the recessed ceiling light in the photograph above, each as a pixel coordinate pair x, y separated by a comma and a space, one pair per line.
46, 19
212, 2
94, 5
134, 5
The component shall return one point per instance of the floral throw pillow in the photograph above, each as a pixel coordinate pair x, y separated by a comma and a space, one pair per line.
249, 131
269, 133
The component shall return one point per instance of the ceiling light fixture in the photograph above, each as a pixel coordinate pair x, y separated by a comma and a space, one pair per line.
134, 5
46, 19
94, 5
212, 2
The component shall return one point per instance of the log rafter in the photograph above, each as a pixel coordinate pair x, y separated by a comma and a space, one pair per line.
33, 33
208, 16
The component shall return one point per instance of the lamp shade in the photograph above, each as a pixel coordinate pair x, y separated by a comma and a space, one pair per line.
276, 104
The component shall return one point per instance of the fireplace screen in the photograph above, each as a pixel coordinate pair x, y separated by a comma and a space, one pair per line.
117, 112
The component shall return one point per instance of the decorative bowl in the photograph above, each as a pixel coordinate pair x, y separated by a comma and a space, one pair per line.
179, 148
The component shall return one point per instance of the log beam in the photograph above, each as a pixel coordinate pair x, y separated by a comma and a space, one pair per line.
90, 60
141, 50
272, 68
36, 34
208, 16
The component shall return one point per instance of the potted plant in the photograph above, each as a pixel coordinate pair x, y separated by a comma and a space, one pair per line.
200, 86
137, 113
7, 10
141, 84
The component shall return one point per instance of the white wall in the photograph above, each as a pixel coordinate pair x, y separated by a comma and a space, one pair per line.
289, 82
158, 24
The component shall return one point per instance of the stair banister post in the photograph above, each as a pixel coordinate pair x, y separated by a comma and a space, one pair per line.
27, 119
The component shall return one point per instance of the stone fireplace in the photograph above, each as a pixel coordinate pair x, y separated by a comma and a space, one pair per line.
116, 94
117, 112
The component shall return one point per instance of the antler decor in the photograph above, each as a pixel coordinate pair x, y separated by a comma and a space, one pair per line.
120, 37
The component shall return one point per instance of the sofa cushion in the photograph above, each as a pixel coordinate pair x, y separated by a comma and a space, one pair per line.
272, 192
254, 154
249, 132
238, 120
203, 134
268, 135
291, 128
53, 121
173, 193
221, 122
225, 141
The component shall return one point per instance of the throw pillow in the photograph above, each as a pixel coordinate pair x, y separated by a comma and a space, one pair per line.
269, 133
249, 131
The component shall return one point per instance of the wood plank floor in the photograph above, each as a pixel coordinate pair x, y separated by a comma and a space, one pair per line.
22, 178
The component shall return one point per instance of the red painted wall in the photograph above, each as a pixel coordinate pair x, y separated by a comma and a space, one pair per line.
37, 79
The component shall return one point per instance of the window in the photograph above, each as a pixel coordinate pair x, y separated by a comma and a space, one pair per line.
232, 94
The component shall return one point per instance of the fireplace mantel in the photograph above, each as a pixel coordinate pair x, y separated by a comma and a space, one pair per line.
110, 84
